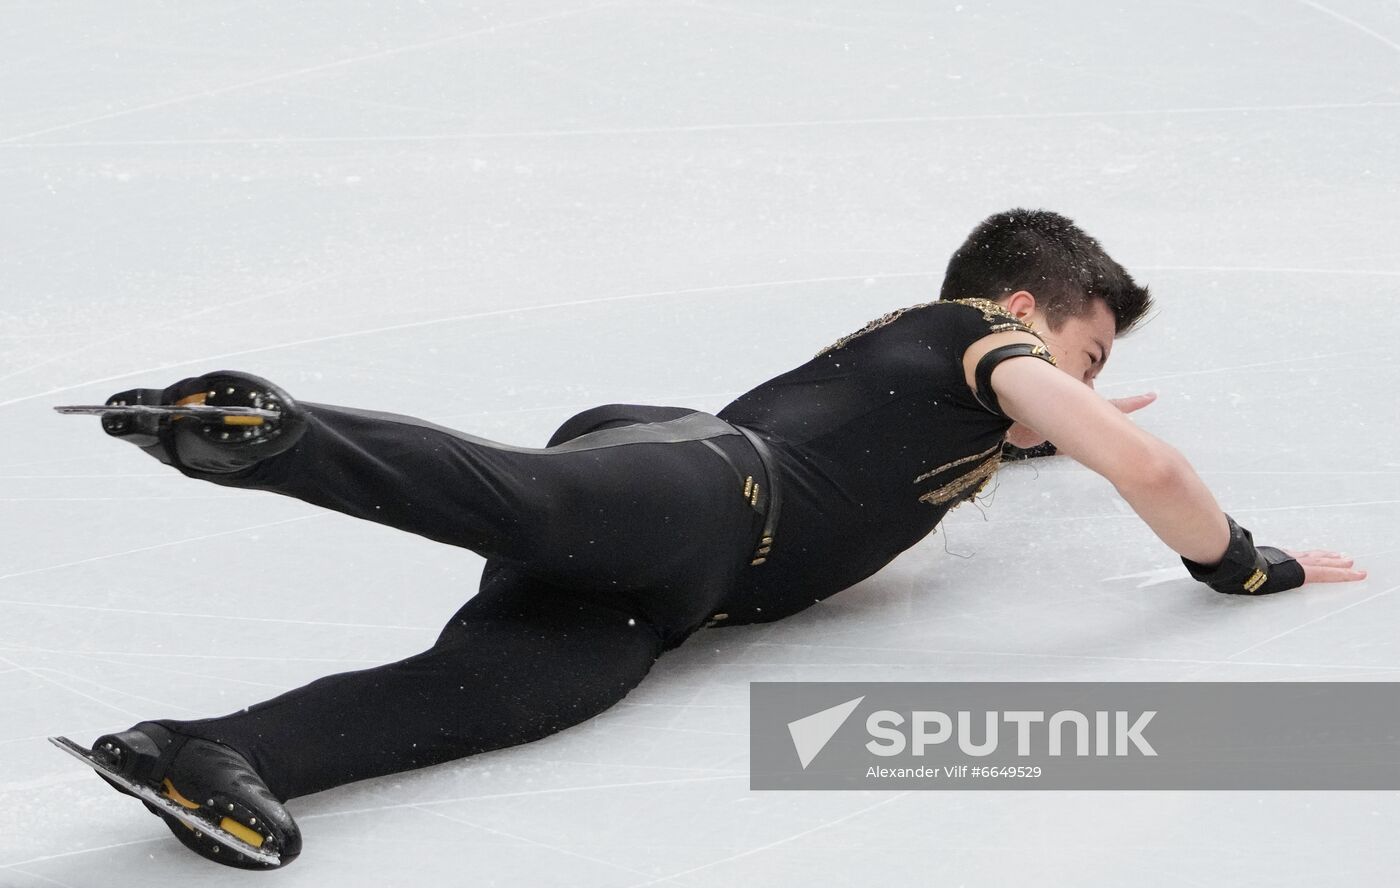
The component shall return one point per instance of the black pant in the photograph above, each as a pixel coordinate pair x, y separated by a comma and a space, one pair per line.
604, 549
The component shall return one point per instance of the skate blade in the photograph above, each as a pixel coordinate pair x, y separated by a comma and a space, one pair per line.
169, 806
208, 412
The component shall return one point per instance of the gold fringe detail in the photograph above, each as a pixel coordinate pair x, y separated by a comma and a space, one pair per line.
964, 486
957, 462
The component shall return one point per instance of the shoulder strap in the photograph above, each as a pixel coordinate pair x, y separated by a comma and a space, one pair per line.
983, 392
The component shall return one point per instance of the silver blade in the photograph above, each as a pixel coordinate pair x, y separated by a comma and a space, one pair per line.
203, 410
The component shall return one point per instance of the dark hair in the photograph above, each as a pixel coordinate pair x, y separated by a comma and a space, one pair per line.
1052, 258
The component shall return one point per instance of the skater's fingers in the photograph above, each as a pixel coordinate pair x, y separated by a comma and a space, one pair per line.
1133, 402
1323, 561
1319, 573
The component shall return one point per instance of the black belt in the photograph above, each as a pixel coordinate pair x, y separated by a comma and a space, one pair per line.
775, 496
772, 503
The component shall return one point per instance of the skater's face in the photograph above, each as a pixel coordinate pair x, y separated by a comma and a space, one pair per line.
1082, 344
1081, 347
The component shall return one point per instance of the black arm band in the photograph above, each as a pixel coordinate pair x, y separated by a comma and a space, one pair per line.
1010, 452
1247, 570
983, 392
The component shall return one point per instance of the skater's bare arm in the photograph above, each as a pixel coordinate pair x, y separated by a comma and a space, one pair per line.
1151, 475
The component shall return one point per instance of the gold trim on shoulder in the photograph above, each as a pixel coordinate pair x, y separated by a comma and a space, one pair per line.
1001, 319
992, 313
991, 310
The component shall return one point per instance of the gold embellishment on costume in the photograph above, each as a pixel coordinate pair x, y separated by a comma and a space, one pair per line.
1044, 352
760, 555
965, 486
1255, 580
969, 483
753, 500
999, 317
957, 462
748, 486
991, 311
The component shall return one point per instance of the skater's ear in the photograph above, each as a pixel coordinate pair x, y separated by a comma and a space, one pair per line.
1022, 304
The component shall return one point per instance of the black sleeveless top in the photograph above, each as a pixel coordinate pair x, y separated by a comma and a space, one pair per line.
876, 438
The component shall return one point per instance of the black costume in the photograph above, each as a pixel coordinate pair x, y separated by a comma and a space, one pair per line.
635, 527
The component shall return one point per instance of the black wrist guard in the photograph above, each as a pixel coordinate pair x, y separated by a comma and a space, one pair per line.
1247, 570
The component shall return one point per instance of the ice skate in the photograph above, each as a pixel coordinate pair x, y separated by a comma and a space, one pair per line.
220, 422
208, 794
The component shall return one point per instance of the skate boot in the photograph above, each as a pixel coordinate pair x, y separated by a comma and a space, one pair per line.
209, 441
216, 791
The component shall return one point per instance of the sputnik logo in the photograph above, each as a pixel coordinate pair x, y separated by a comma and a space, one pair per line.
811, 733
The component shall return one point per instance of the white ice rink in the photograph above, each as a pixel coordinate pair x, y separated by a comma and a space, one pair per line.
494, 215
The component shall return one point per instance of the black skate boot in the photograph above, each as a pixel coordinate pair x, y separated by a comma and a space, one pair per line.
210, 442
209, 781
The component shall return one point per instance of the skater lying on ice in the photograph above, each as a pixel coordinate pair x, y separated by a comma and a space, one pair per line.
639, 525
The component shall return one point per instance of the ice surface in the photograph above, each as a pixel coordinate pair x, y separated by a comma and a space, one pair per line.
493, 215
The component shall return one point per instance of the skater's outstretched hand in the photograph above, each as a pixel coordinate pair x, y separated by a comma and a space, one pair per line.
1133, 402
1323, 566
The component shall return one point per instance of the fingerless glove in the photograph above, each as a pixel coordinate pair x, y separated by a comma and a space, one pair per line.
1247, 569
